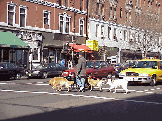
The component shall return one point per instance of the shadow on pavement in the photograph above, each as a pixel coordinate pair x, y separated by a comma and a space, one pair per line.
132, 109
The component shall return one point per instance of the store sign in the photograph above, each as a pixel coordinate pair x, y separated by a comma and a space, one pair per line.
92, 44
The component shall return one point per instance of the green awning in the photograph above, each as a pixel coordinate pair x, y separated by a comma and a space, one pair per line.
8, 39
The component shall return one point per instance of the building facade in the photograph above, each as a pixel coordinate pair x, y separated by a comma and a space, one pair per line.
46, 26
133, 27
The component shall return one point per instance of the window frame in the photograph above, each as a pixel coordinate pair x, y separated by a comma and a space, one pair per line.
25, 8
48, 18
14, 15
81, 24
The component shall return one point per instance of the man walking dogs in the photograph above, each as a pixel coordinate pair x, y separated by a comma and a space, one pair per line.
81, 71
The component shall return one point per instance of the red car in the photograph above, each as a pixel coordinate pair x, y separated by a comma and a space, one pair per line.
95, 68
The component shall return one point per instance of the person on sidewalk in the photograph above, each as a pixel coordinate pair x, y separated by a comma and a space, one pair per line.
81, 71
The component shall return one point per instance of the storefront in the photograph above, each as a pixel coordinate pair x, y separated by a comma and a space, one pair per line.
13, 50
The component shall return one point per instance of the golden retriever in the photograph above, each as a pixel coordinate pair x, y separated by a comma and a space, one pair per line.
97, 82
58, 82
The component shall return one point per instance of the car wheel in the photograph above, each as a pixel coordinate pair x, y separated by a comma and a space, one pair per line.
44, 75
18, 76
109, 75
153, 81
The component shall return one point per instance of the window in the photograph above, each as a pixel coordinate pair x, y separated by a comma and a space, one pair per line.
136, 3
64, 23
35, 55
97, 30
97, 8
139, 3
22, 16
11, 14
59, 2
124, 35
121, 12
46, 19
81, 5
66, 3
102, 9
110, 12
102, 30
114, 33
81, 24
114, 13
67, 24
61, 24
109, 29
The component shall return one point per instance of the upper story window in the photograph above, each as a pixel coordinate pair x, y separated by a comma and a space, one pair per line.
97, 8
22, 16
64, 23
11, 14
59, 2
46, 19
81, 26
110, 12
66, 4
81, 4
67, 24
102, 9
121, 12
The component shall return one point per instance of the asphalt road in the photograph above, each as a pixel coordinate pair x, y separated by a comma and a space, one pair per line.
34, 99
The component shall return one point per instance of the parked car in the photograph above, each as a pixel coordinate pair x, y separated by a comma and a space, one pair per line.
144, 71
45, 70
8, 70
94, 68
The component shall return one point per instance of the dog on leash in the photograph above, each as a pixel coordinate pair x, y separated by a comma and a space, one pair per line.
93, 83
118, 83
59, 82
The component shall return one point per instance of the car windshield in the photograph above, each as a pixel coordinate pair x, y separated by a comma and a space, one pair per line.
145, 64
89, 64
41, 66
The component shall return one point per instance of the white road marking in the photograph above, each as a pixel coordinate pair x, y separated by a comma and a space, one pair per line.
40, 84
149, 92
157, 88
145, 90
3, 83
139, 91
85, 96
152, 89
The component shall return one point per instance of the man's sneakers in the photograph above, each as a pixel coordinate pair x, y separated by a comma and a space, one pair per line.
81, 89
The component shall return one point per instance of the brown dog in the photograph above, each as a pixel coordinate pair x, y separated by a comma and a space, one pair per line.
97, 82
58, 82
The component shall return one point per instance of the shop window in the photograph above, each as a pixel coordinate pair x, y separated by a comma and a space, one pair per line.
102, 31
109, 29
22, 12
11, 14
35, 54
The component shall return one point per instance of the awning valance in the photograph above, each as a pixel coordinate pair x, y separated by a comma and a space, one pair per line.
78, 48
8, 39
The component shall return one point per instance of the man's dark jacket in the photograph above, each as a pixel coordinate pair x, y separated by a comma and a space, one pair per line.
81, 67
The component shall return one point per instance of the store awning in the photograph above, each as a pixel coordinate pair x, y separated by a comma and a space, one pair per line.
78, 48
8, 39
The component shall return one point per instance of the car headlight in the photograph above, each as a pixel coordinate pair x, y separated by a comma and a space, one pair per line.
36, 72
144, 75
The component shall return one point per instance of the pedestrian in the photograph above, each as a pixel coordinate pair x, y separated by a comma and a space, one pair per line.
63, 62
81, 71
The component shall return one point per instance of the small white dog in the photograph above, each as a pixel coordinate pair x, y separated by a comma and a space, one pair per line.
118, 83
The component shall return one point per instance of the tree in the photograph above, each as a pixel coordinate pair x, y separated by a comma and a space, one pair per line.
147, 31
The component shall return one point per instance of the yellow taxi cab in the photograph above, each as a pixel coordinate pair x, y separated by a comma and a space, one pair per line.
144, 71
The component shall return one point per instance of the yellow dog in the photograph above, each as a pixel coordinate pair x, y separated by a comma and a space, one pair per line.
97, 82
60, 82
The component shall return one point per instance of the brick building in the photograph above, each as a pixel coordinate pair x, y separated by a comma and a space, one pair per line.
46, 26
124, 25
